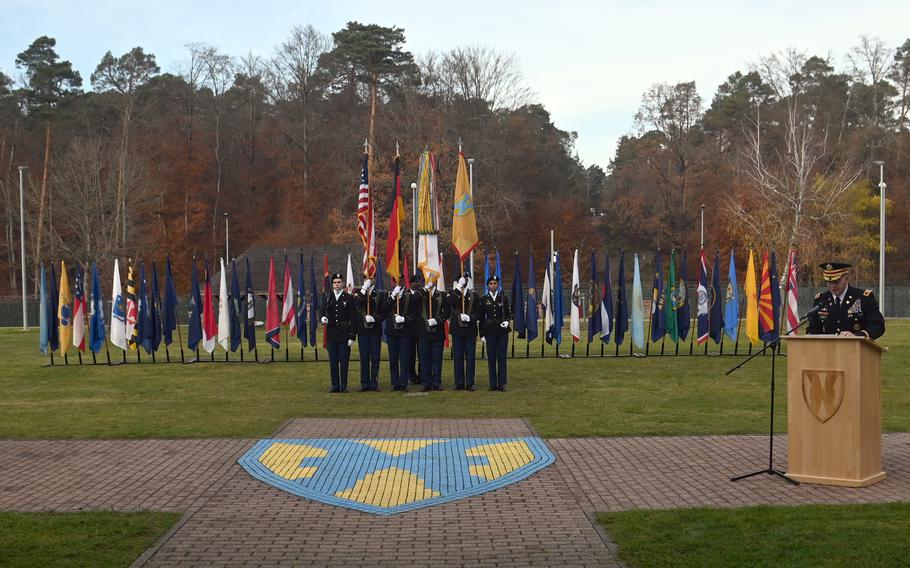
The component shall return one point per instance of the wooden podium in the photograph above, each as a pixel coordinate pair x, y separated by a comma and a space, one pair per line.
834, 420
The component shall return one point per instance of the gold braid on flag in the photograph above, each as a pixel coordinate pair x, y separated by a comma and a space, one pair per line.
428, 220
426, 198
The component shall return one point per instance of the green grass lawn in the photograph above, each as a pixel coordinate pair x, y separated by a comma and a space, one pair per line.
79, 539
814, 535
561, 397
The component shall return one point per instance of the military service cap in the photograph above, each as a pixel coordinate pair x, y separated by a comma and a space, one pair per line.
833, 271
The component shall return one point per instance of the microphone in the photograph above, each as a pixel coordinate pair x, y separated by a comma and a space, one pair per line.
813, 311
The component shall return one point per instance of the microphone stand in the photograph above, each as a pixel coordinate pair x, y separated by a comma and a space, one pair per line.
773, 346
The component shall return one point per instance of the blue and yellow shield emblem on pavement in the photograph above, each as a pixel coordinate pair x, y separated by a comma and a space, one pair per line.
387, 476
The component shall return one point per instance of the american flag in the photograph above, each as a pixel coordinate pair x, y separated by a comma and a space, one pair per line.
792, 293
365, 220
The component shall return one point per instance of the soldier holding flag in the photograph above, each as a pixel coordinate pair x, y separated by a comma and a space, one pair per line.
464, 306
369, 332
399, 315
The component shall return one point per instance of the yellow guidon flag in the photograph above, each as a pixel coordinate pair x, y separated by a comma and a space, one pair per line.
464, 220
65, 311
428, 220
751, 303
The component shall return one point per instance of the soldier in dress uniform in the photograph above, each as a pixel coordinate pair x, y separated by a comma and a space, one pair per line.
338, 315
433, 312
399, 315
369, 334
413, 368
464, 305
845, 309
494, 316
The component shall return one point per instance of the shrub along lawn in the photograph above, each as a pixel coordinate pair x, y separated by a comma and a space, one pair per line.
561, 397
812, 535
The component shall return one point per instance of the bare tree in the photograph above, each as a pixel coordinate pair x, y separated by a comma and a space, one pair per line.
249, 82
899, 74
870, 61
124, 75
796, 178
192, 71
219, 75
91, 199
294, 87
673, 113
478, 72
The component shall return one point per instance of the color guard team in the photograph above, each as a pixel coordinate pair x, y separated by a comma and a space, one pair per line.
415, 321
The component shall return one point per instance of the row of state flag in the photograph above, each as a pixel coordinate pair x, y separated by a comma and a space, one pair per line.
140, 318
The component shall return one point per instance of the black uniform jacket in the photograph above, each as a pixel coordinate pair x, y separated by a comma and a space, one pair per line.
492, 313
342, 316
375, 309
858, 314
471, 308
438, 307
406, 307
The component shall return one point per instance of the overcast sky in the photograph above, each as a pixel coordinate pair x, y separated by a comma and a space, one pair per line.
588, 63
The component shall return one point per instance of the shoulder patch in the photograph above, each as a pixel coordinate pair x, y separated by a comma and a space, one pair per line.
867, 293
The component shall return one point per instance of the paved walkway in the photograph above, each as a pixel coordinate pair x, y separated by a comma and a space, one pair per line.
232, 519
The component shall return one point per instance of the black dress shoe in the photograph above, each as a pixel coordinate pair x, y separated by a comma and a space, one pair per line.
459, 387
364, 389
343, 390
427, 388
502, 388
471, 388
335, 390
437, 387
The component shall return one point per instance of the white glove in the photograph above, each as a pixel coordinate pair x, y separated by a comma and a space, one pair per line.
459, 285
431, 322
399, 319
367, 284
324, 320
428, 285
350, 342
504, 325
396, 292
370, 319
483, 339
465, 317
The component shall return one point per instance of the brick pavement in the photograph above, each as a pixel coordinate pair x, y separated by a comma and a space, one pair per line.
233, 519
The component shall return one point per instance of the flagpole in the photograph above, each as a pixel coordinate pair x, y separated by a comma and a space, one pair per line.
414, 227
552, 283
471, 191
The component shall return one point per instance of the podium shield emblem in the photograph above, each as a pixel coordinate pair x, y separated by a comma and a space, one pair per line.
823, 392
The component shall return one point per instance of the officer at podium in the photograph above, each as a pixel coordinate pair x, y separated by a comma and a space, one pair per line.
844, 309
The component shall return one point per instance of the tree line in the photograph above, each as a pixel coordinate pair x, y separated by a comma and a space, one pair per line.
136, 159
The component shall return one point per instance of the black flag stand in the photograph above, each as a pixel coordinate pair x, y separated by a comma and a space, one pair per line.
774, 348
